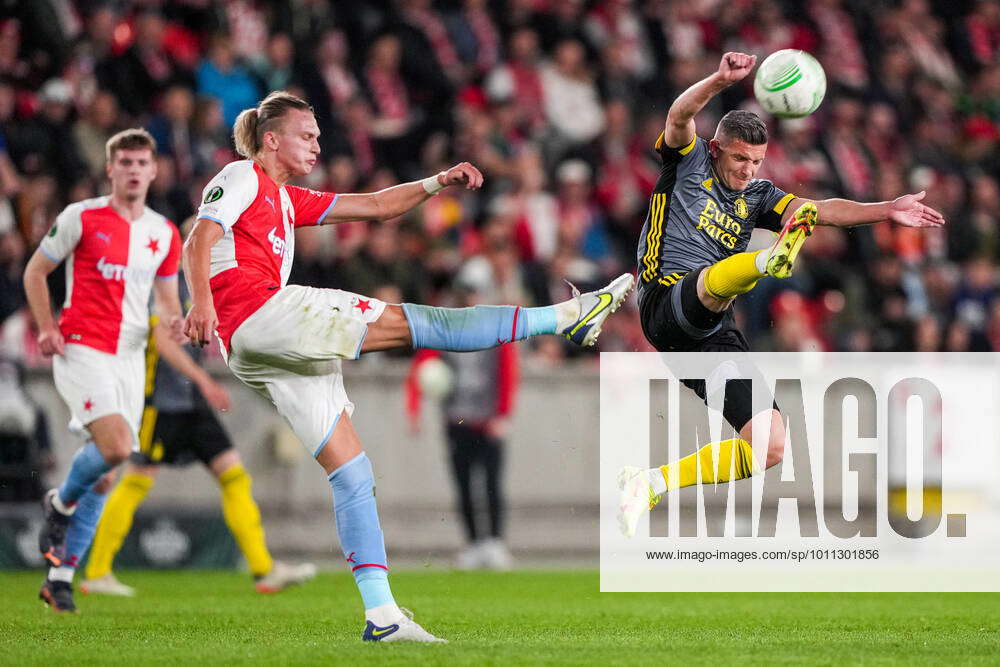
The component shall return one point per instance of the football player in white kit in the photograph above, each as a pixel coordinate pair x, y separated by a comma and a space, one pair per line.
117, 251
287, 341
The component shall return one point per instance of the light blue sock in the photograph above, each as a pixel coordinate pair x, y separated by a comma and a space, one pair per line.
359, 531
475, 328
87, 467
82, 525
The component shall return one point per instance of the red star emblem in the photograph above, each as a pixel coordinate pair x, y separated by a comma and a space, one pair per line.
363, 305
88, 405
153, 245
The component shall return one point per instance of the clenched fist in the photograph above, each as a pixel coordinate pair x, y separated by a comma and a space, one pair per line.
735, 66
462, 173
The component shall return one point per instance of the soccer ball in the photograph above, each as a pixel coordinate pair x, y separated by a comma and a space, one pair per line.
790, 83
435, 378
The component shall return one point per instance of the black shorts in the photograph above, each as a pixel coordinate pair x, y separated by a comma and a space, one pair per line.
179, 438
674, 320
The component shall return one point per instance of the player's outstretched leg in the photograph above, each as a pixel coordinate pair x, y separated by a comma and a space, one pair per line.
642, 488
114, 526
579, 319
739, 273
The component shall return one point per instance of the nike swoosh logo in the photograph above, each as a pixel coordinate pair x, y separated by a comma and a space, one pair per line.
378, 632
605, 301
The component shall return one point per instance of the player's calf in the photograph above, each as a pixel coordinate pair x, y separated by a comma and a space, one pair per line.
769, 422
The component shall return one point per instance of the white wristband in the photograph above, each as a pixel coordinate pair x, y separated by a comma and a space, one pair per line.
431, 185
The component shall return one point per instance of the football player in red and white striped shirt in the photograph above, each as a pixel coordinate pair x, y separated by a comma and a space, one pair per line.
287, 341
117, 252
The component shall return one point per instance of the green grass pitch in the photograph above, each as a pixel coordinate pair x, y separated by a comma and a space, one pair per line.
533, 617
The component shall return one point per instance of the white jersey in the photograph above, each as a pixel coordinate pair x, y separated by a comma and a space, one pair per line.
110, 267
252, 260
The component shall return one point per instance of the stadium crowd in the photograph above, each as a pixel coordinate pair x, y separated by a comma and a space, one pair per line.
559, 103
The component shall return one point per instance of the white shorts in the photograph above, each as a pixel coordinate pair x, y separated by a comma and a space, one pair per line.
290, 349
95, 384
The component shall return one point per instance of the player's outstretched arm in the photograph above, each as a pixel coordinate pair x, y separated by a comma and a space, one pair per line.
397, 200
906, 210
680, 129
36, 289
201, 320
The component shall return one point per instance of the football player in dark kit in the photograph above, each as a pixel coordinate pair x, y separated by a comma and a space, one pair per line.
693, 264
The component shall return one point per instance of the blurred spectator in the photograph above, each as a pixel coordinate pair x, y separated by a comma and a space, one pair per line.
519, 80
840, 51
145, 69
769, 30
581, 222
210, 136
394, 118
975, 294
475, 36
424, 32
274, 67
94, 128
537, 210
43, 143
380, 263
617, 24
846, 147
572, 104
173, 132
167, 195
331, 85
981, 33
222, 77
912, 25
248, 27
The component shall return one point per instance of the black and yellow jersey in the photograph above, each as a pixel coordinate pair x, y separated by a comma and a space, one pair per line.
694, 220
167, 389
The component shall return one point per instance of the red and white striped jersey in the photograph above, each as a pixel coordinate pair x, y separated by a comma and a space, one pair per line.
252, 260
110, 268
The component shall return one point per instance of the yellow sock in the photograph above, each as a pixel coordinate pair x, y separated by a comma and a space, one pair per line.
733, 276
115, 522
691, 472
243, 518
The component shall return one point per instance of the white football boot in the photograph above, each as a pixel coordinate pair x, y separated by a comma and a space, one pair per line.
283, 575
636, 498
595, 307
403, 630
106, 585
